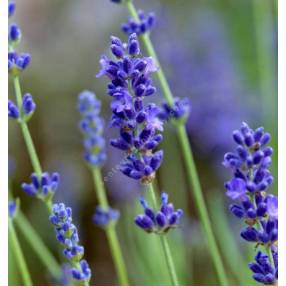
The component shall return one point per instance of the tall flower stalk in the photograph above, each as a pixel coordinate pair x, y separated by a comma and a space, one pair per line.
43, 185
139, 128
248, 189
189, 162
91, 125
20, 260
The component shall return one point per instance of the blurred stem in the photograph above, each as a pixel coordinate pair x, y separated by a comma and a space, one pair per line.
37, 244
165, 244
19, 255
192, 174
110, 230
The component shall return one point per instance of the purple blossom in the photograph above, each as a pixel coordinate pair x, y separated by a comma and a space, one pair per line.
248, 187
14, 34
29, 105
161, 221
272, 206
43, 187
138, 124
18, 62
91, 126
145, 24
103, 217
13, 110
67, 235
262, 269
11, 8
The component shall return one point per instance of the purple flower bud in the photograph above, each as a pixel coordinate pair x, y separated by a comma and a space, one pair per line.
13, 111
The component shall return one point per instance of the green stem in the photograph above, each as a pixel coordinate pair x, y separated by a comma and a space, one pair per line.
113, 240
28, 139
266, 63
37, 244
26, 134
19, 256
191, 170
165, 244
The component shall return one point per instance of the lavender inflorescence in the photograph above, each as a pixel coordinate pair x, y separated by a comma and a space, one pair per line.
92, 125
145, 24
138, 125
103, 217
67, 235
160, 221
179, 111
11, 8
43, 187
251, 179
27, 109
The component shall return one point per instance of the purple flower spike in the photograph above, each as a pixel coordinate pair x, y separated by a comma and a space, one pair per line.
91, 126
144, 25
13, 111
248, 187
44, 187
11, 8
67, 235
103, 217
161, 221
138, 125
14, 33
28, 104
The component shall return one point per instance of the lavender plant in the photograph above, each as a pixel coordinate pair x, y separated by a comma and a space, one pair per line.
43, 185
139, 124
91, 126
248, 188
193, 178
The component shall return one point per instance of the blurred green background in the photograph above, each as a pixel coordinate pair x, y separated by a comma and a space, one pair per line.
222, 54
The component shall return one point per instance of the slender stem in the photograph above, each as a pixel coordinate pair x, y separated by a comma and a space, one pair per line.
19, 256
191, 170
165, 244
37, 244
28, 139
26, 134
112, 237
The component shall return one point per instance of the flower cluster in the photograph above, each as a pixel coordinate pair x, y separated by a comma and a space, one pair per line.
16, 62
264, 271
67, 235
251, 179
138, 125
145, 24
179, 111
103, 217
11, 8
44, 187
92, 125
161, 221
27, 109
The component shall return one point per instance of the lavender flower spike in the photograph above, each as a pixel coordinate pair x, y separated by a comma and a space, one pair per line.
67, 235
139, 125
248, 188
103, 217
145, 24
44, 187
91, 126
161, 221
